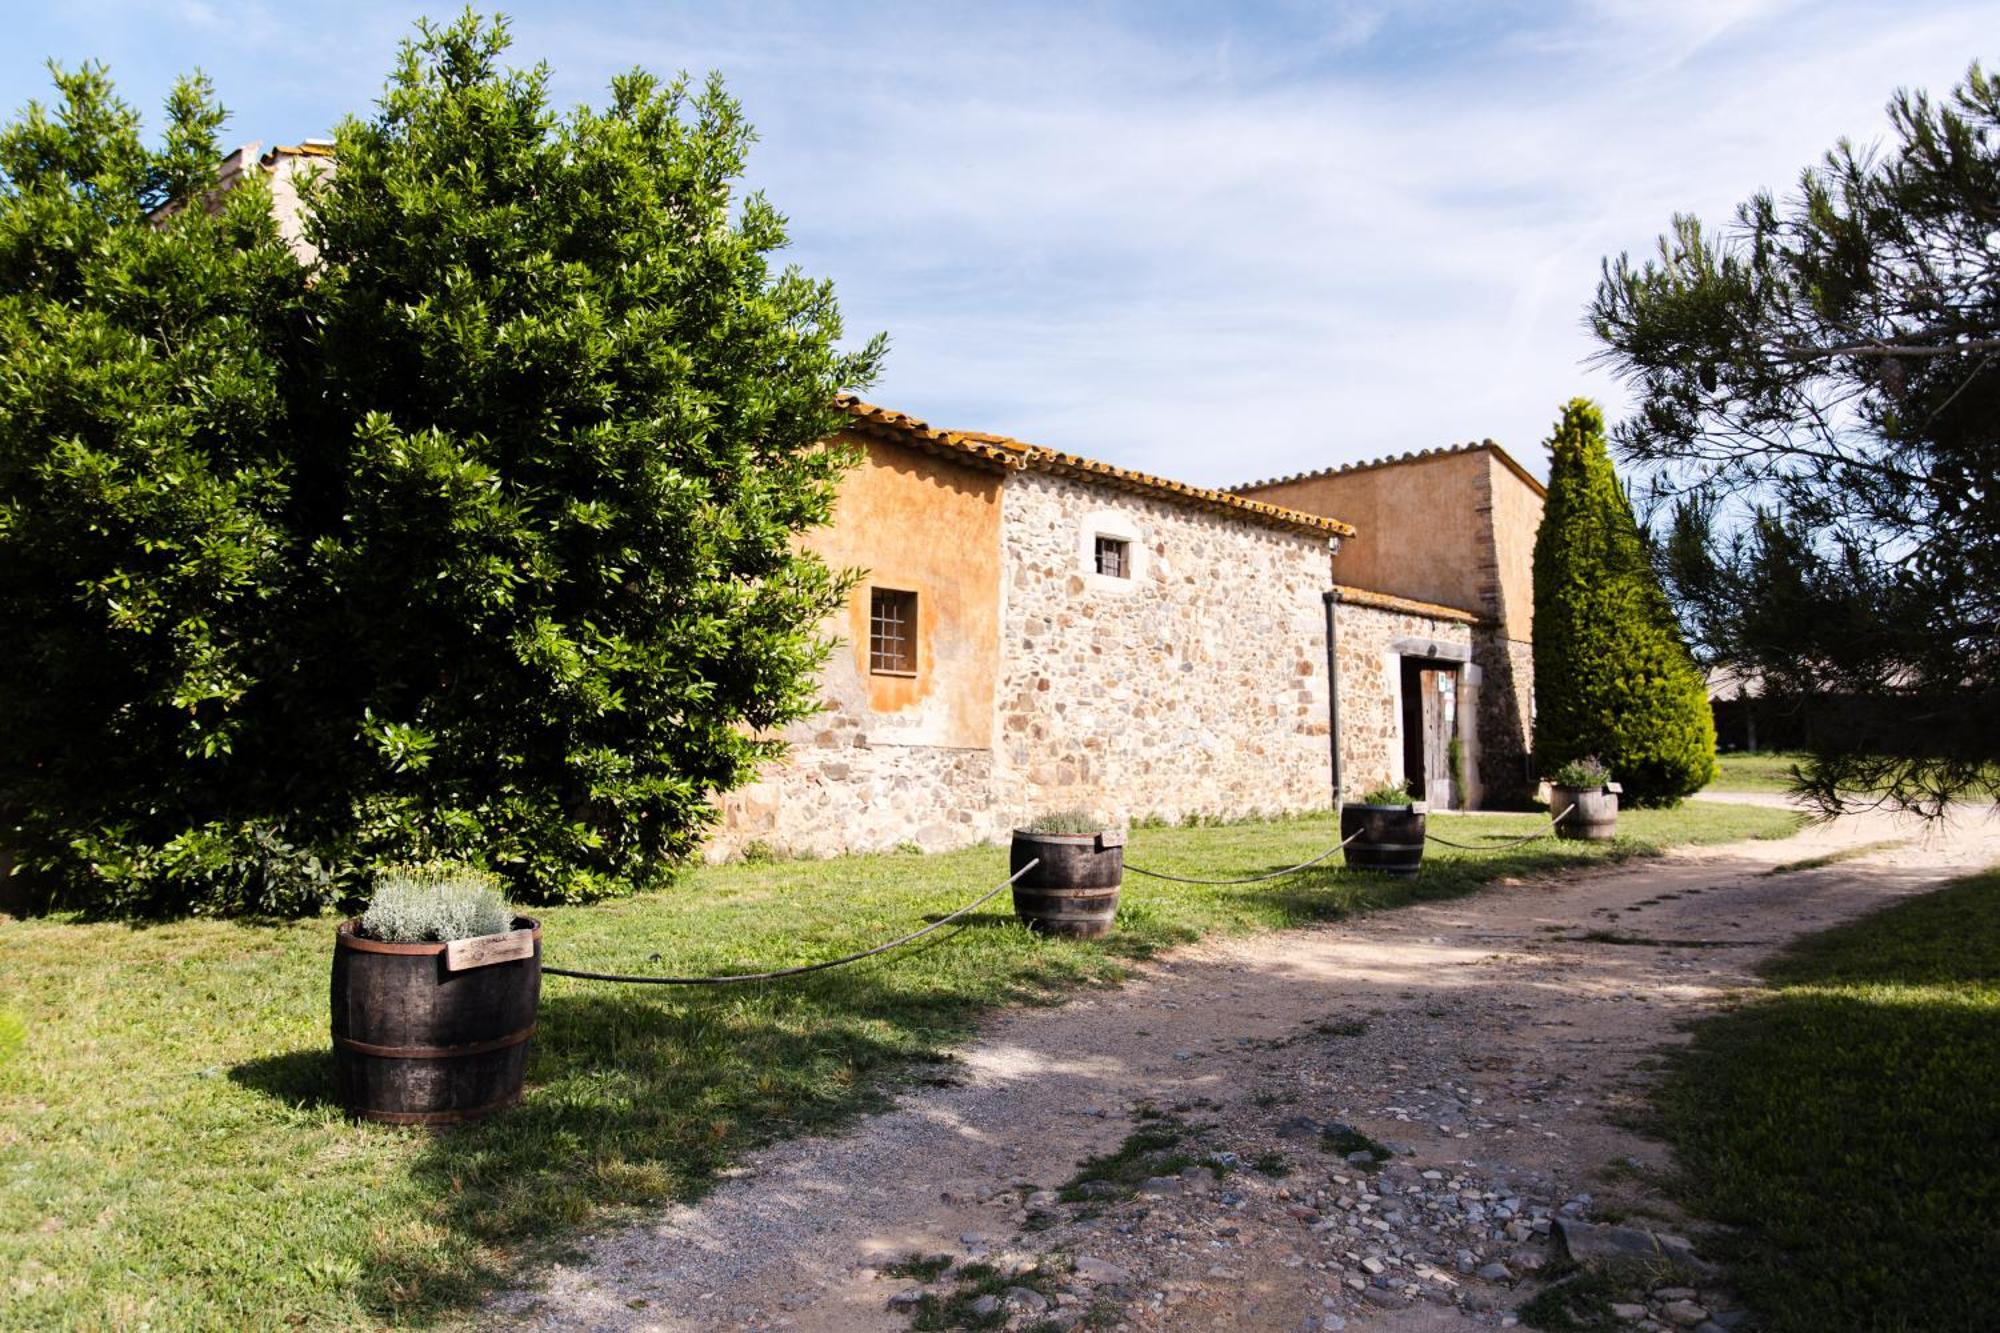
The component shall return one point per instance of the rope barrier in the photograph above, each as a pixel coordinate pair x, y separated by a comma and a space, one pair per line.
1251, 879
943, 921
1503, 846
773, 975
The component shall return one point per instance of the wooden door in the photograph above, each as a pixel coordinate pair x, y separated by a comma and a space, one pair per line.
1430, 721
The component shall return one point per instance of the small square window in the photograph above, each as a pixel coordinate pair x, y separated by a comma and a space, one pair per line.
892, 632
1114, 557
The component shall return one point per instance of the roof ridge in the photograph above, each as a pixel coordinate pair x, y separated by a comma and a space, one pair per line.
1015, 453
1408, 456
1363, 465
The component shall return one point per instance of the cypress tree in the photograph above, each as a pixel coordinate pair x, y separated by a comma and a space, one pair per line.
1613, 676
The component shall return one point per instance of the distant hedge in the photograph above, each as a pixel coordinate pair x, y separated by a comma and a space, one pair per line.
473, 536
1613, 676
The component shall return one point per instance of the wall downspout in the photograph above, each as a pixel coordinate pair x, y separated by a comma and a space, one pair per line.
1330, 598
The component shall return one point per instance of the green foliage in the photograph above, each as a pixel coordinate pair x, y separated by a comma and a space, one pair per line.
1613, 678
1841, 1126
481, 544
418, 904
1065, 821
147, 468
1386, 794
1588, 771
1816, 397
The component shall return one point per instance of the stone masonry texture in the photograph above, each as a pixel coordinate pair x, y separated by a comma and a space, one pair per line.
1198, 689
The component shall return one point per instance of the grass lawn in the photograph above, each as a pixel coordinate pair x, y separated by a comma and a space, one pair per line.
1755, 770
169, 1150
1848, 1123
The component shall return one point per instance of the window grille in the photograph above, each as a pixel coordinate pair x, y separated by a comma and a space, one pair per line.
892, 632
1114, 557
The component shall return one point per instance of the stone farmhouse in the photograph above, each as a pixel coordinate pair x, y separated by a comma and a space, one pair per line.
1456, 527
1037, 631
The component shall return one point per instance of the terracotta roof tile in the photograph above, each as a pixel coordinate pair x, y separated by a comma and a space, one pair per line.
1398, 460
1017, 454
1383, 601
908, 430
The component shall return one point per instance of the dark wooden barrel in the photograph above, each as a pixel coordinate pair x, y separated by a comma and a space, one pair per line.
417, 1043
1074, 891
1595, 818
1391, 841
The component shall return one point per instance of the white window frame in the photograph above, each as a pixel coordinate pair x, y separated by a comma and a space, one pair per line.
1118, 527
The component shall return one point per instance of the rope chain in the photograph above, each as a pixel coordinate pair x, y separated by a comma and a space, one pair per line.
1252, 879
776, 973
1550, 832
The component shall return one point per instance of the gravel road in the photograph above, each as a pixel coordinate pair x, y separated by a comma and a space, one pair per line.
1489, 1044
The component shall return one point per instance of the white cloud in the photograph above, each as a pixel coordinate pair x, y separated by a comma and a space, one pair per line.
1227, 242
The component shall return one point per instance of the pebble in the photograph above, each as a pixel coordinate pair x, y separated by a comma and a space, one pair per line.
1097, 1270
1685, 1313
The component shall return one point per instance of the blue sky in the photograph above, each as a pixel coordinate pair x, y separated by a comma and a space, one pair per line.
1215, 242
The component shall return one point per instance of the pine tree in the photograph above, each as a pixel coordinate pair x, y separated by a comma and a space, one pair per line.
1816, 416
1613, 677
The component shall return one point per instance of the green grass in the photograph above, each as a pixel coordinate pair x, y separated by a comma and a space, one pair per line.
1846, 1123
1149, 1151
1755, 770
170, 1151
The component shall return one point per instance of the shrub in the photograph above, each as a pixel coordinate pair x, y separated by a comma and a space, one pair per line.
147, 464
1613, 677
1066, 821
1586, 772
1387, 794
418, 904
481, 544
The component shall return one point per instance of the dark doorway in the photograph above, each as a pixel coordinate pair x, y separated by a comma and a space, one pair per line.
1430, 724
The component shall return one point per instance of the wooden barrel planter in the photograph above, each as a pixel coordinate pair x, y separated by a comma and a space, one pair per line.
433, 1034
1392, 837
1074, 891
1595, 817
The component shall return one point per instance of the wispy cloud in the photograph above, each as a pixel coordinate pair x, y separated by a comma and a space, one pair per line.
1214, 242
1222, 249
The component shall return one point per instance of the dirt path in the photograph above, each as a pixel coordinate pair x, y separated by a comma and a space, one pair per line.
1490, 1042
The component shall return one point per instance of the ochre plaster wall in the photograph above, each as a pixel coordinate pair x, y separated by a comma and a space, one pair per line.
1515, 518
921, 524
1418, 530
892, 759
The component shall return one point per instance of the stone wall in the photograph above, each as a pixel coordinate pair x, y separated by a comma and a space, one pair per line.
855, 797
1198, 685
1371, 642
1506, 717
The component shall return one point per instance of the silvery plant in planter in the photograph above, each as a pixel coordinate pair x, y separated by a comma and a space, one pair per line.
434, 994
1585, 789
1074, 891
1388, 832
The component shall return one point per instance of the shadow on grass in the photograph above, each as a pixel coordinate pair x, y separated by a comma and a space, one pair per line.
1844, 1125
638, 1097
